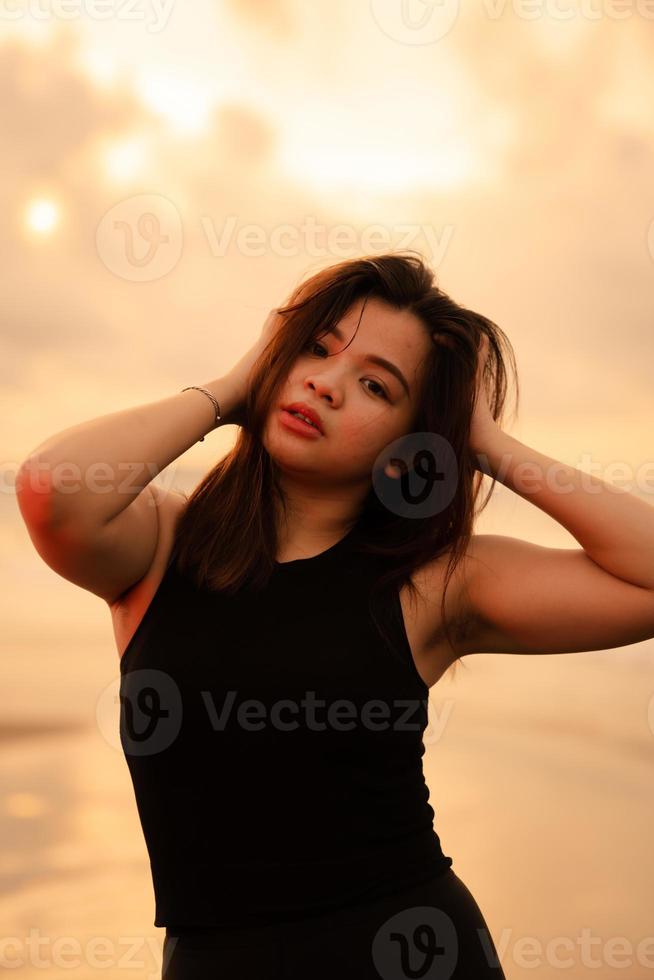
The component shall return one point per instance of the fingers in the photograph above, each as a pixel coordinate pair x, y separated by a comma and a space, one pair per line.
483, 350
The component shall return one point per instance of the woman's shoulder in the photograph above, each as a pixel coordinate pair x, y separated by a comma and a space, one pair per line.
435, 577
128, 612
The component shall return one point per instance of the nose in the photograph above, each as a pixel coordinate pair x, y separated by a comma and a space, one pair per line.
323, 389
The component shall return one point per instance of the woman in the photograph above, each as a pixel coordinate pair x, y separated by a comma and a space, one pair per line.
280, 630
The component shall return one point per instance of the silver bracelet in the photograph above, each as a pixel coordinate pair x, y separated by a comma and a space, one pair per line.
213, 399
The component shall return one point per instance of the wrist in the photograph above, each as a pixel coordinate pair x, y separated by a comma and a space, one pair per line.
484, 437
227, 390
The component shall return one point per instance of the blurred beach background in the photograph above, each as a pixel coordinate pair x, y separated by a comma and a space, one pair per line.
169, 173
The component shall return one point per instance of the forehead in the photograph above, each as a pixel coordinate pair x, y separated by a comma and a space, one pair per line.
398, 335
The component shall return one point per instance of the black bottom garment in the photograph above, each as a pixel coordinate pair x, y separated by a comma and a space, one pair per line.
431, 931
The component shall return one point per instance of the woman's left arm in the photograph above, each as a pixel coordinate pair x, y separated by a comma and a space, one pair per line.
525, 598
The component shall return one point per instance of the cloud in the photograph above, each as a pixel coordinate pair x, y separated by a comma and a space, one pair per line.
64, 315
550, 247
573, 89
42, 319
49, 113
48, 110
274, 19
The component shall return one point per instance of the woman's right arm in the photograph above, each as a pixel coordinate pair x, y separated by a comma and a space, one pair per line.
86, 496
89, 473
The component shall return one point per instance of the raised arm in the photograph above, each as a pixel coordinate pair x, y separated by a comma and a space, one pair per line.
86, 496
525, 598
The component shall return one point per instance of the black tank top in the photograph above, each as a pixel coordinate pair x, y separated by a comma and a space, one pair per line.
275, 745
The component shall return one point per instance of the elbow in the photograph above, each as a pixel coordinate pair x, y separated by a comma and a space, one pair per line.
34, 492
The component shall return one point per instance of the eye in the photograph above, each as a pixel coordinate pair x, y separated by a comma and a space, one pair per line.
381, 393
314, 343
381, 390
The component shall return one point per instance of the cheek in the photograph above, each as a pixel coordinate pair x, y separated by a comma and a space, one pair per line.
366, 436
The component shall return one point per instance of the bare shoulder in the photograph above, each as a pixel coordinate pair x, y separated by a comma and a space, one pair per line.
128, 610
430, 580
426, 612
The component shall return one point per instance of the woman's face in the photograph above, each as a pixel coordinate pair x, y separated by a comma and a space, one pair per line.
362, 406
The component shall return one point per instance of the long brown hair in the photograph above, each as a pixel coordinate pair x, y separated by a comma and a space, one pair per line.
226, 538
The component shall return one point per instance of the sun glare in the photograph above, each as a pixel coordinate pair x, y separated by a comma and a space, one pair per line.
99, 65
126, 159
42, 216
377, 169
185, 104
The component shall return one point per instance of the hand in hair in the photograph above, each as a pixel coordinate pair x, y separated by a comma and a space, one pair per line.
483, 422
241, 373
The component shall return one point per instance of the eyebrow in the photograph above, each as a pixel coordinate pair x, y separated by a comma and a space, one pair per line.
380, 361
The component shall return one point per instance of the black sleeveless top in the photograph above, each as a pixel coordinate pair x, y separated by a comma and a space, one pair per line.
275, 744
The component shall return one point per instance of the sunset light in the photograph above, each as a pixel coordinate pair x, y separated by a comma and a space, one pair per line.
383, 169
126, 159
186, 105
432, 175
42, 216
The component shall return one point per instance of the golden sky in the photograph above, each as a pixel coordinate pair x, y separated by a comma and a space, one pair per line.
171, 173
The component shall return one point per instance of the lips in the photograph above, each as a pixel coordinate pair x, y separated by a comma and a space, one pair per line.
306, 410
